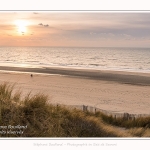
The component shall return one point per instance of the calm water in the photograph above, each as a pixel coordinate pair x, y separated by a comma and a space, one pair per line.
126, 59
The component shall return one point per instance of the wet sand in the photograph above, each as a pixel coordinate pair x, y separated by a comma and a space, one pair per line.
118, 76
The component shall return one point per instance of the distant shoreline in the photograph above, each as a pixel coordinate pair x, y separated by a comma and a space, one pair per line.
133, 78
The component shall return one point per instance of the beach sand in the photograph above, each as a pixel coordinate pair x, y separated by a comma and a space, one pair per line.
108, 90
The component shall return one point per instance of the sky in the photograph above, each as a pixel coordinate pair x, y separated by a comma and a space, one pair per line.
74, 29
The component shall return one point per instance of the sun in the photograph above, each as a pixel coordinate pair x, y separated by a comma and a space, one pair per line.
21, 26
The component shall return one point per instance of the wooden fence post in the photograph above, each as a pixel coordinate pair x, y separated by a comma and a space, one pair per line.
85, 108
126, 116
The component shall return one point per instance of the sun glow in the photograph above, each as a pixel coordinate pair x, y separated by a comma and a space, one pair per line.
21, 26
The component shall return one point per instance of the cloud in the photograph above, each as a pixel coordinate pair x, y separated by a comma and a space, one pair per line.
35, 13
41, 24
46, 25
92, 33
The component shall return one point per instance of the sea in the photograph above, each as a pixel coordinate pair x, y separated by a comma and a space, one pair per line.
98, 58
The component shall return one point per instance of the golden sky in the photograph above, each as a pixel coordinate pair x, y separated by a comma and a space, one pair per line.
90, 29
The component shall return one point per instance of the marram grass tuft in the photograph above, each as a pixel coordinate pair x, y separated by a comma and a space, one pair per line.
34, 116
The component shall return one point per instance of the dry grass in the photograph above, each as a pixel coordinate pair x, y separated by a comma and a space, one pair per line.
46, 120
143, 122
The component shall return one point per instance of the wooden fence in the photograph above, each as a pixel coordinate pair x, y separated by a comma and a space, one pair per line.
125, 115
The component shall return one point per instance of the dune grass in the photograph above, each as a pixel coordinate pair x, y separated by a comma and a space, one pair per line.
143, 122
37, 117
